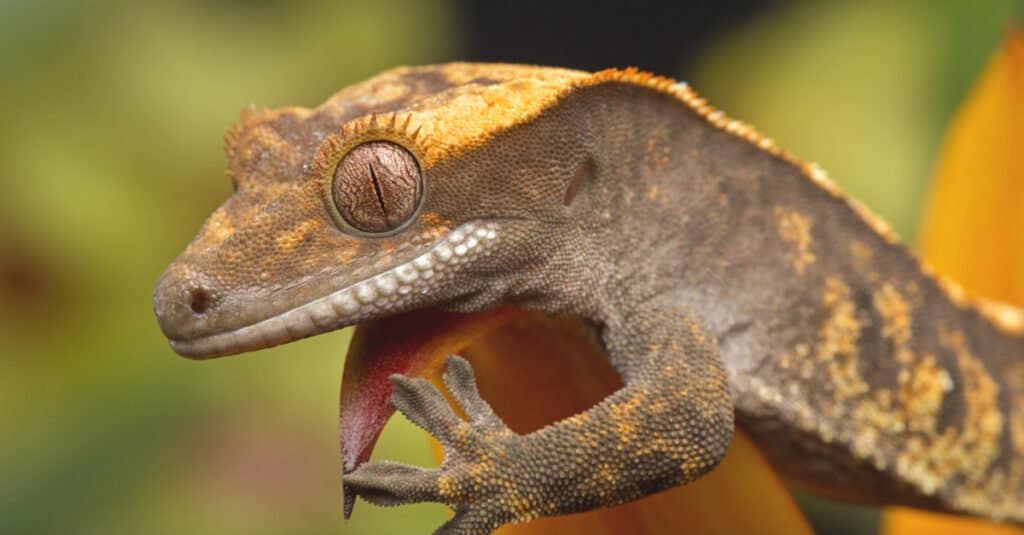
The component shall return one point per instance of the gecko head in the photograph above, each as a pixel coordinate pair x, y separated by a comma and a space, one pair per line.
419, 187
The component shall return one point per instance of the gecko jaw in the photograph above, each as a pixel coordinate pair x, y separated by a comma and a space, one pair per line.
391, 291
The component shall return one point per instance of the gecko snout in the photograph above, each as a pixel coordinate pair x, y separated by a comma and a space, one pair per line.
184, 304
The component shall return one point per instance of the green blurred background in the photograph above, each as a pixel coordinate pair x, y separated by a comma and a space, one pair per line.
110, 159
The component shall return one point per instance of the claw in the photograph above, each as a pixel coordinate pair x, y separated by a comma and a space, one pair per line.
348, 497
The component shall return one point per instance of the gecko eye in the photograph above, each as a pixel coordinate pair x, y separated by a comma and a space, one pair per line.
377, 186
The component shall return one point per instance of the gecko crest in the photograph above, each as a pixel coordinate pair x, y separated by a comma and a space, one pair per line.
1008, 318
364, 131
251, 117
390, 127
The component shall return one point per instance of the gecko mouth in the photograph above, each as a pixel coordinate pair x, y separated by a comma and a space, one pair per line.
394, 290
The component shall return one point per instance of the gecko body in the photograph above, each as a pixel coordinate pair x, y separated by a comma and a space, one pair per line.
728, 282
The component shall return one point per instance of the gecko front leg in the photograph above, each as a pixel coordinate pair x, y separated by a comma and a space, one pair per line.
670, 424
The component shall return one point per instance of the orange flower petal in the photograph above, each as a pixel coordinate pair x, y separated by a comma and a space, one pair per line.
973, 229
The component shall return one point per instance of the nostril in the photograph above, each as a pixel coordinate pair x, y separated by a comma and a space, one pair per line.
199, 300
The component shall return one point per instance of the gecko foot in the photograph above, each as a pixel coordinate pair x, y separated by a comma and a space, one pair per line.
477, 473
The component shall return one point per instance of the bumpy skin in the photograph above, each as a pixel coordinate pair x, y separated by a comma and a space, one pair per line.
723, 276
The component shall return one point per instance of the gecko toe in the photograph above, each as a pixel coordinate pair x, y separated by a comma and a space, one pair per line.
461, 382
388, 483
472, 449
424, 406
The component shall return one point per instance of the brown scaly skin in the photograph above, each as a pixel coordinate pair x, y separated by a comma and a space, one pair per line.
723, 276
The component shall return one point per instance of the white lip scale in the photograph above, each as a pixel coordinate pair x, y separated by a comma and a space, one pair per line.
348, 305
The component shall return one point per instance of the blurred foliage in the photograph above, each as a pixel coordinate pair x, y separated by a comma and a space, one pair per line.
111, 158
110, 154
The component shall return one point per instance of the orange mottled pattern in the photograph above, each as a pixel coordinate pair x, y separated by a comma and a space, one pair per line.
972, 230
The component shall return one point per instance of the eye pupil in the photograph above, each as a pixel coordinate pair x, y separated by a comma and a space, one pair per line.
377, 186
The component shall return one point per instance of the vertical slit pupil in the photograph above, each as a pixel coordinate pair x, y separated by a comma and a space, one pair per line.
397, 187
376, 189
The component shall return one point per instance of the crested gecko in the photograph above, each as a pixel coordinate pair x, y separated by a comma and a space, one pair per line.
729, 283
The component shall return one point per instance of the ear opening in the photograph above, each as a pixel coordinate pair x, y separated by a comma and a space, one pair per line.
585, 169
